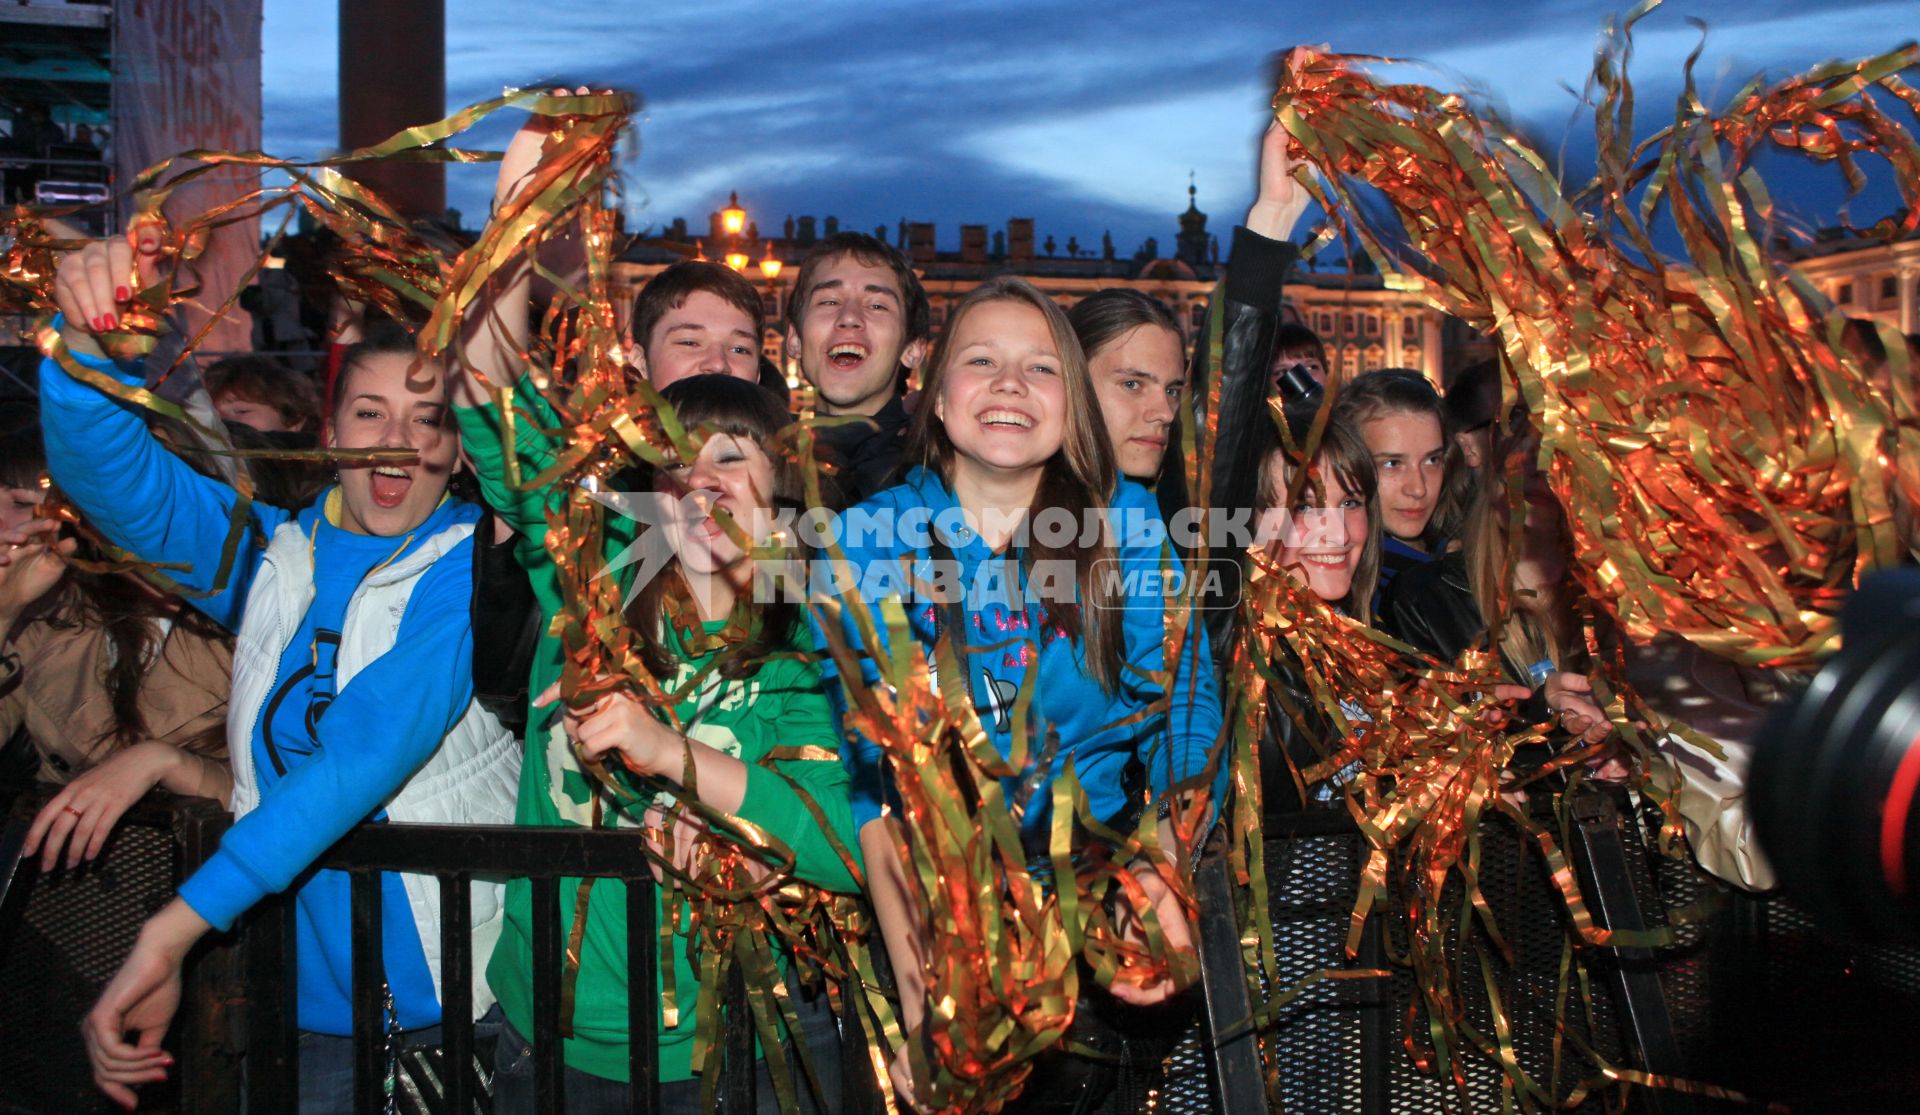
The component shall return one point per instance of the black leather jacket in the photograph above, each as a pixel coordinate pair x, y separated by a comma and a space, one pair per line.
1306, 734
1259, 267
1431, 607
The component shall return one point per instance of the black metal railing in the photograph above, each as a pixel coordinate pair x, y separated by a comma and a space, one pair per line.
1337, 1048
457, 855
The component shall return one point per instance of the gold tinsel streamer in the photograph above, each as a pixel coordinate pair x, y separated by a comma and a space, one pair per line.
1005, 942
1726, 469
1726, 466
742, 897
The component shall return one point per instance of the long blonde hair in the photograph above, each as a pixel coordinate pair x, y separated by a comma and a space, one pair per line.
1081, 475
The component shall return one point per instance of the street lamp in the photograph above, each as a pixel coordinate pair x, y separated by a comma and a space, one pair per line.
733, 218
737, 260
770, 267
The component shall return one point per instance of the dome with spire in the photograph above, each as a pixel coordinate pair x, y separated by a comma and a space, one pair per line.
1191, 244
1193, 219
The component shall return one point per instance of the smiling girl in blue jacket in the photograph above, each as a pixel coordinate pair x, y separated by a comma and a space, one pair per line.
1008, 439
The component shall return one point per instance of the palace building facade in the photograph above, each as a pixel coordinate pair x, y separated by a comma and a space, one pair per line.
1367, 321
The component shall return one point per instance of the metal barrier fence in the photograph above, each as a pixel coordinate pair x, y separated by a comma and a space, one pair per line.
1759, 1000
236, 1039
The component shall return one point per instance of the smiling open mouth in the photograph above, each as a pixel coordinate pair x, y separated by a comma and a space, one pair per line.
388, 485
1006, 420
846, 355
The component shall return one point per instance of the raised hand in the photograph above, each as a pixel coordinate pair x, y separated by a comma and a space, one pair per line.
94, 285
1281, 199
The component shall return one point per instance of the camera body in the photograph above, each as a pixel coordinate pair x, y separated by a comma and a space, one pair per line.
1835, 786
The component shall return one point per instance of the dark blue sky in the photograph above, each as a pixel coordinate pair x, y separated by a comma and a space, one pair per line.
1085, 115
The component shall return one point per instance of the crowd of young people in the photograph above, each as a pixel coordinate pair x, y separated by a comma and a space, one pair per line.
353, 691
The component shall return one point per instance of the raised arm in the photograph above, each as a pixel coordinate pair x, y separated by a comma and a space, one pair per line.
1249, 319
495, 328
101, 455
494, 335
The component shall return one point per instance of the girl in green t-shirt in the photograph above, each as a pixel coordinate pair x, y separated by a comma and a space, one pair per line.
749, 722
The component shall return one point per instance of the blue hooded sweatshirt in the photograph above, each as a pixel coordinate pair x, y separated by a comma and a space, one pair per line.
325, 759
1101, 734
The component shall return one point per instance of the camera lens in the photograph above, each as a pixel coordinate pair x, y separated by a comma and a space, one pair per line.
1835, 786
1297, 385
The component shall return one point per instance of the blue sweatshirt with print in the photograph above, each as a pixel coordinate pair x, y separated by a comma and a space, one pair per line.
1101, 734
325, 758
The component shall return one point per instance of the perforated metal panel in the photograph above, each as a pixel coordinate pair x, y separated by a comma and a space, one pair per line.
1185, 1086
1805, 1018
1316, 1043
75, 931
1529, 914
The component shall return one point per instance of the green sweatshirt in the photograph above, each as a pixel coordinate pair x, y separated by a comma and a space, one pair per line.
780, 706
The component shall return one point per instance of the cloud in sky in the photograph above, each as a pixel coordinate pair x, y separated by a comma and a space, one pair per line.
1086, 117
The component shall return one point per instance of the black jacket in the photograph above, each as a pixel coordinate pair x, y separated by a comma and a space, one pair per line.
1431, 607
1306, 734
865, 455
1251, 309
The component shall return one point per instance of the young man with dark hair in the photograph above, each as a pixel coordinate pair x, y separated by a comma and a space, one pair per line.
857, 323
697, 318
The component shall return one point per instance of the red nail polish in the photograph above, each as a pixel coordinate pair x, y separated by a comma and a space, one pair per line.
99, 324
121, 294
112, 322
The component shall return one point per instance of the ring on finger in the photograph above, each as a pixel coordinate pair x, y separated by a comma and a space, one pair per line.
72, 810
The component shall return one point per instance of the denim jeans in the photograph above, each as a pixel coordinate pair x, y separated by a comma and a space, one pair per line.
326, 1069
587, 1094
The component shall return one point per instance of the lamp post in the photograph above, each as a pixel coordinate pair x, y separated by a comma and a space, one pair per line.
770, 268
733, 220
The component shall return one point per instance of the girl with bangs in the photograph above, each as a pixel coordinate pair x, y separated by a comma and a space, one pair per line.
1008, 432
742, 690
1323, 531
